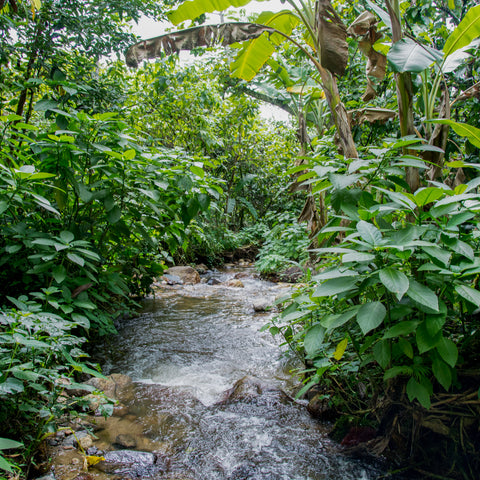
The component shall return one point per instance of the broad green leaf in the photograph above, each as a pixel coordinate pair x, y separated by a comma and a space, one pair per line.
434, 323
342, 181
44, 241
12, 249
425, 341
193, 9
443, 256
340, 350
406, 55
5, 465
423, 295
129, 154
463, 129
467, 30
442, 373
335, 286
256, 52
463, 249
358, 257
11, 386
334, 273
394, 281
470, 294
114, 215
382, 352
76, 259
406, 347
384, 16
6, 443
334, 321
448, 351
45, 105
87, 304
197, 171
370, 316
82, 320
28, 375
460, 218
402, 328
369, 233
59, 273
427, 195
313, 341
397, 370
417, 391
66, 236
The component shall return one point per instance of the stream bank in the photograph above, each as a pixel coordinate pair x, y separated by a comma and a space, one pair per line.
210, 396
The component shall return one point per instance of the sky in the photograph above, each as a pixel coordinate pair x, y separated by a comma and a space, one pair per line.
147, 28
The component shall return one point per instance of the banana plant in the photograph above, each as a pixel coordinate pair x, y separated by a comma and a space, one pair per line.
324, 45
407, 57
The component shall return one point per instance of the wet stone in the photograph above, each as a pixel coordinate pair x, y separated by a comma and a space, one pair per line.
125, 441
172, 279
262, 304
130, 464
188, 275
74, 439
234, 283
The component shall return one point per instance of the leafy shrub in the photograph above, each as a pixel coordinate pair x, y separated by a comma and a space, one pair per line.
89, 215
40, 355
285, 243
398, 296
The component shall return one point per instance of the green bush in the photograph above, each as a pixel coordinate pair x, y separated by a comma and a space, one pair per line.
397, 295
285, 244
40, 357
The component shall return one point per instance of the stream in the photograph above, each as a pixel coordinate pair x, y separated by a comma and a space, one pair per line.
188, 347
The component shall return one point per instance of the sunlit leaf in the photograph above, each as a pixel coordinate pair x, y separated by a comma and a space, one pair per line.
340, 350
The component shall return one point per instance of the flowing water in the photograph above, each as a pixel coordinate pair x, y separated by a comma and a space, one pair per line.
184, 352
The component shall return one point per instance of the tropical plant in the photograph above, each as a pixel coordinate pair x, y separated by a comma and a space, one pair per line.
285, 245
40, 357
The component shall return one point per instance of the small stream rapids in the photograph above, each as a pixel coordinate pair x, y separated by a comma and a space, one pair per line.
187, 348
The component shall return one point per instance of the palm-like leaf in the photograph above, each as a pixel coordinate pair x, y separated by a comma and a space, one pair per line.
194, 8
203, 36
254, 55
467, 30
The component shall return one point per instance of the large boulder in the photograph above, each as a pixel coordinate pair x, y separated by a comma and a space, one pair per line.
188, 275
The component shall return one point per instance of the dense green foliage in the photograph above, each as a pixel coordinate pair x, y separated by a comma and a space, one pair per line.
108, 175
102, 185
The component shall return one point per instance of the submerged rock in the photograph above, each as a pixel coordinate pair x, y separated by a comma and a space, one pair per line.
125, 440
188, 275
251, 389
234, 283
